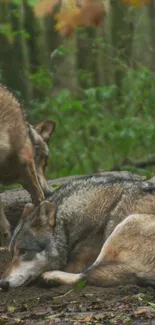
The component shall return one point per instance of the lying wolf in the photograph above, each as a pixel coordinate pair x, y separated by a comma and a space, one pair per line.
23, 148
64, 236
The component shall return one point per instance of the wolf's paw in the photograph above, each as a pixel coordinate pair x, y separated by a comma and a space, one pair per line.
50, 279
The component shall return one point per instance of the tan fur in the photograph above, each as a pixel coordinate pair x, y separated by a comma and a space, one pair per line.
5, 228
18, 163
81, 259
102, 228
127, 257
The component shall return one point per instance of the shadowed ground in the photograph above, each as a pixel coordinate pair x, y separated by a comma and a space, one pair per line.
34, 305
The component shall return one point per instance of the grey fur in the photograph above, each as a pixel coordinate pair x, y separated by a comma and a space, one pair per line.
86, 211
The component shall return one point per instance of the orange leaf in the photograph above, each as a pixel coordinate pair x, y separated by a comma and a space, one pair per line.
68, 17
92, 13
45, 7
66, 31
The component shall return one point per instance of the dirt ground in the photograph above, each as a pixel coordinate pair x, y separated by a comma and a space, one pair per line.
35, 305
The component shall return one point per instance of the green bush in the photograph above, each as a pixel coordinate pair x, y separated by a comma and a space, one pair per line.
97, 131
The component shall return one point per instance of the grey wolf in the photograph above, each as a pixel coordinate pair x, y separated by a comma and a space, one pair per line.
23, 148
96, 228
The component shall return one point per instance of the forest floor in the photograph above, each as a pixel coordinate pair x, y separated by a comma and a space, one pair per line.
35, 305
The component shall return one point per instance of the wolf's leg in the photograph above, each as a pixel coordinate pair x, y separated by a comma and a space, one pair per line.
5, 228
108, 274
60, 277
31, 183
28, 176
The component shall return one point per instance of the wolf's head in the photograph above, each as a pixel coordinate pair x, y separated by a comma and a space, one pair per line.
40, 136
34, 245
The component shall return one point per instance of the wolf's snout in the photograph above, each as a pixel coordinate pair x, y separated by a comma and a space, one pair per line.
48, 193
4, 285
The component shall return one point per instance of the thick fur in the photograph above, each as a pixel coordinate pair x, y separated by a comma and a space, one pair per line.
20, 146
83, 218
5, 229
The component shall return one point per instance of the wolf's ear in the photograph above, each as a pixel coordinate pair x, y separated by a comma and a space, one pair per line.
47, 213
29, 207
45, 129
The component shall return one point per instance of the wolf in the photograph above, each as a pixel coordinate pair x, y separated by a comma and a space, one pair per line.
23, 148
99, 228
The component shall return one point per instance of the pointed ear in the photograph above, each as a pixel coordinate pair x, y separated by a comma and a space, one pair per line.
29, 207
45, 129
47, 213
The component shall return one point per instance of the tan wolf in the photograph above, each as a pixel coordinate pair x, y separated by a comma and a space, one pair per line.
23, 148
100, 229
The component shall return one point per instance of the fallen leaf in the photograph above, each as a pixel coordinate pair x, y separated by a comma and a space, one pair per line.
87, 319
11, 309
144, 310
151, 304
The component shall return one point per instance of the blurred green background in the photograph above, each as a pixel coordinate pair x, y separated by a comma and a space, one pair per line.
98, 85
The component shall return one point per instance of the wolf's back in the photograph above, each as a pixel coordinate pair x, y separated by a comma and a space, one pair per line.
12, 120
99, 202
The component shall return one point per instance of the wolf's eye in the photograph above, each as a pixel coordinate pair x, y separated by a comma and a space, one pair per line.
5, 235
45, 165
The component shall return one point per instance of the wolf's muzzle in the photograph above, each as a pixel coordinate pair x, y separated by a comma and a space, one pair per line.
48, 194
4, 285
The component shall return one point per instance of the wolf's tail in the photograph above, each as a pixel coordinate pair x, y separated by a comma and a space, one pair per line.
115, 273
110, 274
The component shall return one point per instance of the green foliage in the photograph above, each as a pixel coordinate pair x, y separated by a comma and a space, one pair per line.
30, 2
95, 131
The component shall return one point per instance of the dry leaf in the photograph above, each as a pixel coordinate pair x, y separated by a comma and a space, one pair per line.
89, 13
87, 319
92, 13
66, 31
45, 7
143, 310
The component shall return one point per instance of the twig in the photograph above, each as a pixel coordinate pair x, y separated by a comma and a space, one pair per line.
65, 294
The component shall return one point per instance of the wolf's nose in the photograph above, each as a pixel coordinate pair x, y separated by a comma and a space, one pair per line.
48, 194
4, 285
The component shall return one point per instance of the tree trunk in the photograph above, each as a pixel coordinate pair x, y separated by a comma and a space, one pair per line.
25, 53
86, 58
122, 36
9, 53
151, 9
15, 200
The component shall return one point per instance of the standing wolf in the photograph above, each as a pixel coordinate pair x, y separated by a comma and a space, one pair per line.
85, 217
23, 149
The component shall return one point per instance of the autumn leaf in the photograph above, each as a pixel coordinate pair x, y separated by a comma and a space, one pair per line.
92, 13
88, 13
66, 31
68, 19
11, 309
45, 7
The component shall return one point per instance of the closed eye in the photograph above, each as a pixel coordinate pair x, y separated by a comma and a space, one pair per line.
23, 251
